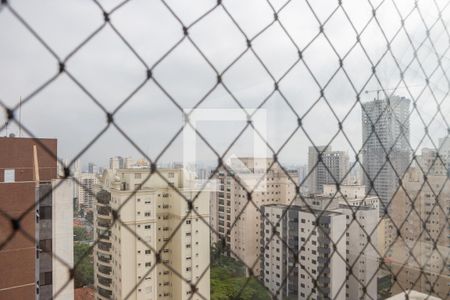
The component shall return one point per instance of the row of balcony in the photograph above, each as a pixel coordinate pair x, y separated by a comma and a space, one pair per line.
105, 269
103, 223
105, 246
104, 210
104, 280
104, 235
104, 292
105, 259
103, 197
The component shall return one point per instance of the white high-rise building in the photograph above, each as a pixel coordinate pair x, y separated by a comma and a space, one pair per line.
235, 219
159, 247
116, 162
329, 242
386, 149
325, 167
319, 239
85, 187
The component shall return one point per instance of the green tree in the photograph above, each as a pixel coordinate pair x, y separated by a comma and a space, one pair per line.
79, 234
228, 279
84, 271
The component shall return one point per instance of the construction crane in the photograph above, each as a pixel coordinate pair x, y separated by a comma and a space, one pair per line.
391, 89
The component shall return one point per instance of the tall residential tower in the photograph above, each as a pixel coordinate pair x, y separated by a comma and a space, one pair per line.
386, 149
159, 247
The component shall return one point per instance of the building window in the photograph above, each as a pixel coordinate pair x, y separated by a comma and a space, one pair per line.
148, 264
9, 175
45, 245
45, 212
45, 278
148, 251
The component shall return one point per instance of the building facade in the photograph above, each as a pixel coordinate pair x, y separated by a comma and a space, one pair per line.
420, 252
444, 150
306, 266
323, 248
31, 192
326, 167
386, 149
236, 219
85, 184
159, 247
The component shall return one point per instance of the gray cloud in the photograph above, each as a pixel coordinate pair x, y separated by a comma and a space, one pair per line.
110, 71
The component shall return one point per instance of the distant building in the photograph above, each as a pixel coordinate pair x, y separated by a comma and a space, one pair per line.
325, 167
430, 162
420, 252
92, 168
386, 149
85, 186
153, 217
302, 171
116, 162
30, 191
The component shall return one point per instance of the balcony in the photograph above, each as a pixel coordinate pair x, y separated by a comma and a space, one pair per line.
324, 250
104, 210
104, 281
103, 197
104, 293
104, 246
323, 240
103, 223
105, 259
103, 234
104, 270
323, 260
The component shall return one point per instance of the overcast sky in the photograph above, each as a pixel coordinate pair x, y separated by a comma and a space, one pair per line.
110, 72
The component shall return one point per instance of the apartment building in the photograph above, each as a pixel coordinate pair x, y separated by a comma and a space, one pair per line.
317, 236
386, 150
313, 227
85, 186
236, 219
30, 191
116, 162
326, 167
420, 253
159, 248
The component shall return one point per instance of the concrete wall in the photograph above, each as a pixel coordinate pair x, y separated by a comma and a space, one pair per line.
62, 237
